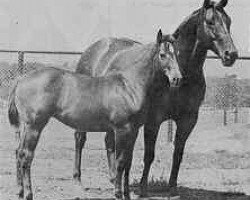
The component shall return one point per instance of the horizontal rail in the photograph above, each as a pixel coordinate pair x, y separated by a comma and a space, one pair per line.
42, 52
239, 58
79, 53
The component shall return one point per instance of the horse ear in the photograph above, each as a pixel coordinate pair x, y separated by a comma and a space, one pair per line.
207, 3
222, 3
159, 37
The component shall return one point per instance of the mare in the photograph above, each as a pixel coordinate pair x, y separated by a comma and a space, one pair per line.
207, 28
114, 103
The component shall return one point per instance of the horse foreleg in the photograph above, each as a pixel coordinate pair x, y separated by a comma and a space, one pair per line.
185, 126
150, 136
80, 139
25, 155
124, 140
129, 158
110, 147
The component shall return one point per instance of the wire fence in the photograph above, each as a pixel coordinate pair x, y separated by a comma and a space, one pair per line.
68, 60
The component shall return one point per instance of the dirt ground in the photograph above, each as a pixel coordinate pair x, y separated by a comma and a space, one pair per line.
216, 164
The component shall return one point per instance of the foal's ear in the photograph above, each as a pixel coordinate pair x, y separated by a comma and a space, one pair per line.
207, 4
159, 37
222, 4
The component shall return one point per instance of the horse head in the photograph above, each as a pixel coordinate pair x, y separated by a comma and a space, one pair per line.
166, 58
214, 31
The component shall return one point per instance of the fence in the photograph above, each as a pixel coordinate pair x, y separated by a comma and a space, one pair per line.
21, 59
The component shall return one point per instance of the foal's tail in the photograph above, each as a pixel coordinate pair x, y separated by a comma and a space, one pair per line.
12, 110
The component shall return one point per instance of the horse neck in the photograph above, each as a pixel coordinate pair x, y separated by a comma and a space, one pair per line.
192, 53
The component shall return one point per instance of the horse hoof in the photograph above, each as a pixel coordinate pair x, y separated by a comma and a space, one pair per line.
29, 196
143, 195
173, 194
143, 192
174, 198
118, 195
20, 194
127, 198
77, 181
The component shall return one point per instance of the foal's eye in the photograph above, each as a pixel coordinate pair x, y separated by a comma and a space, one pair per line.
210, 22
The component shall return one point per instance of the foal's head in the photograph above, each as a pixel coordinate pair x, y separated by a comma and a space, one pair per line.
166, 57
214, 31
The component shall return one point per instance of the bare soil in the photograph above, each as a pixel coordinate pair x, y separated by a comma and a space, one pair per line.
216, 164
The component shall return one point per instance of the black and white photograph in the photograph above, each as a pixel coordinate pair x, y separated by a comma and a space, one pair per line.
124, 100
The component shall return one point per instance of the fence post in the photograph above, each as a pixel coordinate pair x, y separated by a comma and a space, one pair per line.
236, 114
20, 61
225, 116
170, 130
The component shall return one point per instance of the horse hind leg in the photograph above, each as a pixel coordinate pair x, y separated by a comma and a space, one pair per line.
80, 139
129, 158
25, 154
18, 166
19, 176
110, 148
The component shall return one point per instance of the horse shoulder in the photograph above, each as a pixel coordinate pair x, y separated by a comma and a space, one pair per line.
133, 95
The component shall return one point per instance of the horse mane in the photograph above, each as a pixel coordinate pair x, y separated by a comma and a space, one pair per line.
189, 19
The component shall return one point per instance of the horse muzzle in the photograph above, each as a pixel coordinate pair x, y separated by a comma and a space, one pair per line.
229, 58
175, 81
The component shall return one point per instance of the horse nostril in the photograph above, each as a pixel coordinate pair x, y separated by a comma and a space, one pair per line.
227, 53
176, 81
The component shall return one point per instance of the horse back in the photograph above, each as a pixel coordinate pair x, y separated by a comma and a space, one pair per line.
95, 61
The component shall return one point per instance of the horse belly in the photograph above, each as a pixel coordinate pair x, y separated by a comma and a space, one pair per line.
85, 121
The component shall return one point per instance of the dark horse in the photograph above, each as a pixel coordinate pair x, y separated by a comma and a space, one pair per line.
114, 103
207, 28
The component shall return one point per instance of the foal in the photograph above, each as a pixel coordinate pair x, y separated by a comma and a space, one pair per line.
115, 103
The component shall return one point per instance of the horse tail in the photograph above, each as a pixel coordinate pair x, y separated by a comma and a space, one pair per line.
12, 109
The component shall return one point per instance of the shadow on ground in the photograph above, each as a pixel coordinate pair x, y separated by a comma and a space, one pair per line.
160, 193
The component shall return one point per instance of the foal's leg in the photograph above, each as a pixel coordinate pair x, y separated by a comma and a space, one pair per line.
122, 140
110, 147
150, 135
80, 139
185, 126
129, 158
25, 155
18, 168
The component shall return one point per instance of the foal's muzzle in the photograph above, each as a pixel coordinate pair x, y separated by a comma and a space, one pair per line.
175, 82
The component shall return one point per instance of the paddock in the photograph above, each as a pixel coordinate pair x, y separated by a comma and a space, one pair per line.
215, 166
